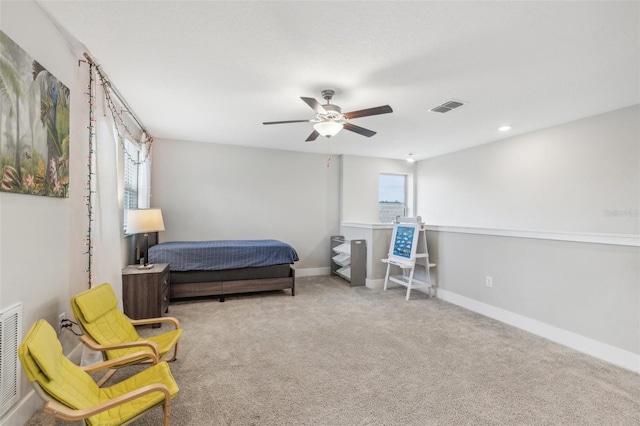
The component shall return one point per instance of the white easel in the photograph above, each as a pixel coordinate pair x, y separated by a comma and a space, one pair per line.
408, 257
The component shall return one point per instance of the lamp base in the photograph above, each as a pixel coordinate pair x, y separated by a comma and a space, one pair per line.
149, 266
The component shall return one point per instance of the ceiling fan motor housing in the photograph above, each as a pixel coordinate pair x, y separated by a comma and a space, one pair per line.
333, 111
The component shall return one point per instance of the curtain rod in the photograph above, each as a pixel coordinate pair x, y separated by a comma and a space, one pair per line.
115, 92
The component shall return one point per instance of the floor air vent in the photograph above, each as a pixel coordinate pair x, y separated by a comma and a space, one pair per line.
447, 106
10, 332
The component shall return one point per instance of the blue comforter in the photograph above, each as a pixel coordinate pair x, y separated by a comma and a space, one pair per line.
221, 254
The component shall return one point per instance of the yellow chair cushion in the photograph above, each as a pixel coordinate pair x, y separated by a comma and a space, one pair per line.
165, 341
97, 311
45, 352
158, 373
96, 301
29, 365
73, 387
60, 378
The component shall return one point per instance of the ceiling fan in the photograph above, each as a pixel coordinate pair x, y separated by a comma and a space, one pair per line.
330, 119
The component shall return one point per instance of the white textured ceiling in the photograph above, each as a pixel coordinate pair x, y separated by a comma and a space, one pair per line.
213, 71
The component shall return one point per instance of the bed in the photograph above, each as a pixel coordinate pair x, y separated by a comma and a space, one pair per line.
222, 267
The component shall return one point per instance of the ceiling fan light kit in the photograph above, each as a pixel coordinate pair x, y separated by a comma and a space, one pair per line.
328, 128
330, 119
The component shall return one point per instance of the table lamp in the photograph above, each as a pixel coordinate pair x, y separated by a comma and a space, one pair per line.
144, 221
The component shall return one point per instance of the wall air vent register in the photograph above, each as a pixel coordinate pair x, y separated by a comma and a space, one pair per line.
10, 334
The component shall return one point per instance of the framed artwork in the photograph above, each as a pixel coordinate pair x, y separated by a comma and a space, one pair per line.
404, 242
34, 125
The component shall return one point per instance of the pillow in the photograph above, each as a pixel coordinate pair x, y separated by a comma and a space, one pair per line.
45, 349
96, 301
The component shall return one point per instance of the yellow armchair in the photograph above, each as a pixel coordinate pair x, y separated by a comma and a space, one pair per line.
71, 393
108, 330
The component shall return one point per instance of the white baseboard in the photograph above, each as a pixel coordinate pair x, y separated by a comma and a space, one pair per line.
76, 354
600, 350
375, 284
23, 410
312, 272
380, 284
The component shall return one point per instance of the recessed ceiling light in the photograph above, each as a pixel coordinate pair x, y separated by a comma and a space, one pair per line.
504, 128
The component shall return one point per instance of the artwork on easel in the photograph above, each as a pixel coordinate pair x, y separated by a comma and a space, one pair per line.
404, 242
34, 125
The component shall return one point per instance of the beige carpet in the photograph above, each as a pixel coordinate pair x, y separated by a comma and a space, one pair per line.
335, 355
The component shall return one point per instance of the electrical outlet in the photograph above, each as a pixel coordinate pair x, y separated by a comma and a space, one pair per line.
62, 316
488, 281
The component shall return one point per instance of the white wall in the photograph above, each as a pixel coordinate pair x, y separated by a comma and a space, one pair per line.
209, 191
560, 179
563, 179
213, 191
42, 238
359, 207
360, 185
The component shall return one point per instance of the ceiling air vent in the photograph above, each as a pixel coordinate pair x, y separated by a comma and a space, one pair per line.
447, 106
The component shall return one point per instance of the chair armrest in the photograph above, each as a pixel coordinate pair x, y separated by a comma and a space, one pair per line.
92, 344
147, 321
66, 413
127, 359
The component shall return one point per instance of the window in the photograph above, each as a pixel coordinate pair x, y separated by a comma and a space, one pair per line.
393, 197
131, 174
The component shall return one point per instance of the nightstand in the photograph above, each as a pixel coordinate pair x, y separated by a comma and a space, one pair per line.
145, 292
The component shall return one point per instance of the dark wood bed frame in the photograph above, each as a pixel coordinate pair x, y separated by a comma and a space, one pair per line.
222, 288
216, 286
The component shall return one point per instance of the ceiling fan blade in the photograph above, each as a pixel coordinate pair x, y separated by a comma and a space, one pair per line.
312, 136
289, 121
385, 109
315, 105
360, 130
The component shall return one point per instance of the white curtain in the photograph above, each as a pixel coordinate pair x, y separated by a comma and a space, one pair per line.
107, 225
144, 176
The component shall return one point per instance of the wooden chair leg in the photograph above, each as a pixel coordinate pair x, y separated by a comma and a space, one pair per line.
175, 354
106, 377
167, 411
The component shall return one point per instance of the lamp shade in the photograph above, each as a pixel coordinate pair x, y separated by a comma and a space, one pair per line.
328, 128
143, 221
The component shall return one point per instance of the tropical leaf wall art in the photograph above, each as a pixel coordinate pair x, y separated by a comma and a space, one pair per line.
34, 125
